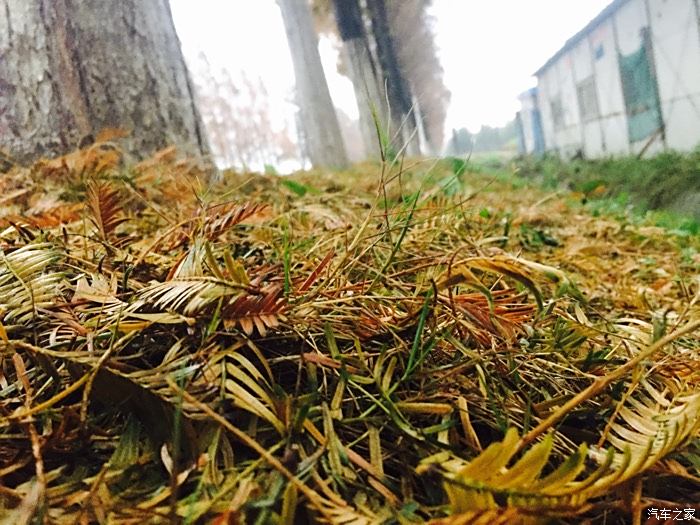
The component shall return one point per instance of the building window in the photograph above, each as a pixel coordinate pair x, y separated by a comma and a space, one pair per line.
640, 91
557, 112
587, 99
599, 52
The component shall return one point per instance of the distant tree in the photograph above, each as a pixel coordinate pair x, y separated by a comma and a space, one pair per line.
321, 130
362, 71
488, 139
411, 29
496, 139
70, 69
398, 89
216, 111
461, 143
352, 137
238, 118
412, 38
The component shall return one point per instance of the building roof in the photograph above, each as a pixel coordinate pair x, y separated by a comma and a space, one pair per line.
571, 42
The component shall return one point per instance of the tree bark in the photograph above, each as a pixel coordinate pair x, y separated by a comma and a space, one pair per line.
398, 90
321, 130
70, 68
363, 72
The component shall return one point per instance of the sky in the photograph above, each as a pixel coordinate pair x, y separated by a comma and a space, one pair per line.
489, 49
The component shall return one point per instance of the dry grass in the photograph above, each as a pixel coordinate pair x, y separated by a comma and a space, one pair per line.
337, 348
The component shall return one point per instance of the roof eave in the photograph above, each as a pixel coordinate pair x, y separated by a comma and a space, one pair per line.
571, 42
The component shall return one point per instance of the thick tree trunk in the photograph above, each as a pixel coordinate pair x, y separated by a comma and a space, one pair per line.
363, 73
398, 90
70, 68
323, 141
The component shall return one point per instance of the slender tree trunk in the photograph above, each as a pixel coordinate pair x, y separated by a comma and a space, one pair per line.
425, 145
69, 68
363, 72
321, 129
398, 90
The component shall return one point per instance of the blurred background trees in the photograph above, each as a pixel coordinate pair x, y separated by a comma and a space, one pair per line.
411, 27
385, 48
487, 139
398, 92
322, 140
69, 70
239, 119
360, 67
390, 55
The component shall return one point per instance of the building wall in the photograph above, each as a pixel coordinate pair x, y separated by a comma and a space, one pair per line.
529, 107
589, 110
547, 91
628, 22
569, 135
557, 88
613, 116
593, 63
676, 46
526, 122
558, 103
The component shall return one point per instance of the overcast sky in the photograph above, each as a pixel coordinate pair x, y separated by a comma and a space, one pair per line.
488, 49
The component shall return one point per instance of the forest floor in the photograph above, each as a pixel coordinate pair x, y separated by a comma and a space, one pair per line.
391, 344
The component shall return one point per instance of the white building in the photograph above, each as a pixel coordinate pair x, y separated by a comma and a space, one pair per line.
627, 83
529, 122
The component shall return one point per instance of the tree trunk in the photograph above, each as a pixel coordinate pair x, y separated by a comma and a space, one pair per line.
414, 41
324, 142
70, 68
398, 90
363, 72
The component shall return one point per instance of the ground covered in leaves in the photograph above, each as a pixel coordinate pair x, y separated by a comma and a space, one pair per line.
395, 344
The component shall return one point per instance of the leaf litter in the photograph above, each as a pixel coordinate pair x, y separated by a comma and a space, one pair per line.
389, 344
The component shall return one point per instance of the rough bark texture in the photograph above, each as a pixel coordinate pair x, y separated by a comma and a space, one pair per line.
319, 121
70, 68
363, 72
398, 90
